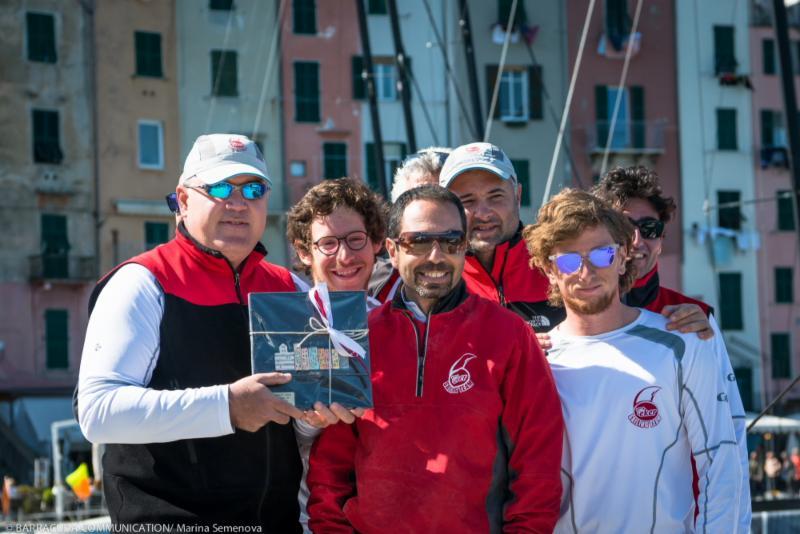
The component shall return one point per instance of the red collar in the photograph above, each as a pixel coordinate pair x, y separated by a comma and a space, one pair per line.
641, 282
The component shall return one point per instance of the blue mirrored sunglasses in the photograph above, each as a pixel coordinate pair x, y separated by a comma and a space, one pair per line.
600, 257
223, 190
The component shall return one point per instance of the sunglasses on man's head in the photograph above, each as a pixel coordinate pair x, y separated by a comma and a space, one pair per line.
223, 190
421, 243
329, 245
649, 227
571, 262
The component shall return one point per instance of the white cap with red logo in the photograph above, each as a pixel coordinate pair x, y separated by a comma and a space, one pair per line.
484, 156
218, 157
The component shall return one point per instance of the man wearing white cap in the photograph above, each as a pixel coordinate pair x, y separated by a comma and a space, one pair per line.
497, 267
165, 378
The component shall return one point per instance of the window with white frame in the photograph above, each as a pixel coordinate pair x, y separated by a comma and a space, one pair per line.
386, 81
513, 97
151, 145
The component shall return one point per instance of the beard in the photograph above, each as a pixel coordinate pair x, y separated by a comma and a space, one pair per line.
590, 306
433, 290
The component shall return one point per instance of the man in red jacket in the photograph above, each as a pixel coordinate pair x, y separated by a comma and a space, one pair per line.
466, 429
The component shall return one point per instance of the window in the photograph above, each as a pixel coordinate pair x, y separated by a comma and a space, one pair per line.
794, 52
724, 55
768, 56
729, 216
224, 78
744, 379
305, 17
786, 216
780, 348
519, 96
726, 129
385, 80
54, 246
155, 233
730, 301
297, 168
618, 22
56, 328
630, 126
504, 13
522, 167
151, 145
41, 31
220, 5
46, 137
376, 7
335, 160
393, 156
306, 91
359, 83
148, 54
784, 285
773, 131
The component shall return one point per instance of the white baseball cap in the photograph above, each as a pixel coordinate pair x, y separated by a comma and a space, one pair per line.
217, 157
485, 156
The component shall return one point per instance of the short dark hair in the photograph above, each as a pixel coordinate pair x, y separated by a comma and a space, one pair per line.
322, 199
434, 193
622, 184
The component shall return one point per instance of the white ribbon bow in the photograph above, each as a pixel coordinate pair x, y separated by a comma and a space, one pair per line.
344, 344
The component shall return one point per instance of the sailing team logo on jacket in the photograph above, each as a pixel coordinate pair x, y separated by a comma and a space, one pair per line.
459, 379
645, 412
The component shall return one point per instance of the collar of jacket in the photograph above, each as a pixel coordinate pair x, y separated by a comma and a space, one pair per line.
445, 304
644, 290
502, 249
214, 259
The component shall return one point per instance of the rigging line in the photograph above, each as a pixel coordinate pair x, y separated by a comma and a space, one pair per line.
738, 203
220, 63
449, 71
424, 108
554, 115
570, 92
499, 78
620, 88
269, 71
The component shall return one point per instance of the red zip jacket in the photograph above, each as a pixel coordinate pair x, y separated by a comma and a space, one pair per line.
648, 293
514, 284
465, 434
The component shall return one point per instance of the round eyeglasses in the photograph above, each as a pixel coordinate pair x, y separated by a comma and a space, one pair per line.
329, 245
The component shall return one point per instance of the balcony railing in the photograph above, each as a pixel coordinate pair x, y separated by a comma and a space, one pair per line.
62, 267
628, 137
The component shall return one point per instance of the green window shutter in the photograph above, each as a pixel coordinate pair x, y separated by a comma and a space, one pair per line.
306, 91
724, 55
618, 20
56, 327
729, 216
766, 128
744, 379
224, 73
46, 137
535, 106
41, 32
784, 285
220, 5
730, 301
638, 116
726, 129
786, 217
780, 349
359, 84
155, 233
601, 113
148, 54
335, 160
55, 246
304, 17
491, 77
377, 7
522, 167
372, 168
768, 55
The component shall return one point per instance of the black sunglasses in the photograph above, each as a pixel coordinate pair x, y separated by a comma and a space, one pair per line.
172, 203
649, 227
421, 243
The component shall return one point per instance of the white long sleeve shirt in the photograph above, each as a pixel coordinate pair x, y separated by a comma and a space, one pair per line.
639, 404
